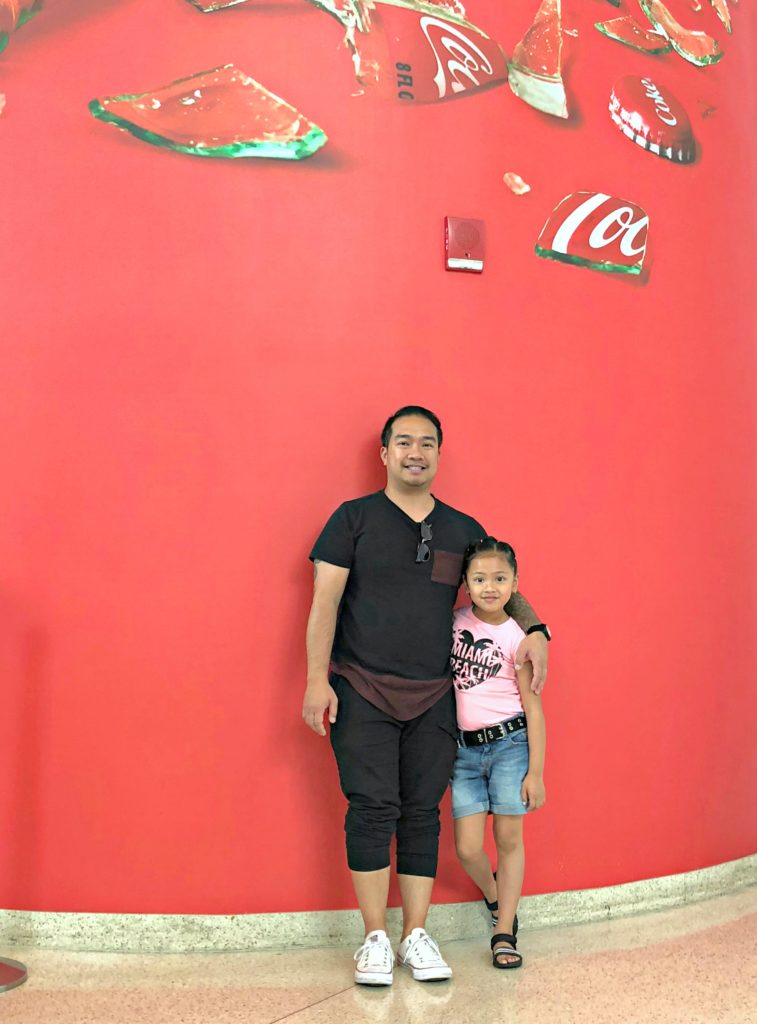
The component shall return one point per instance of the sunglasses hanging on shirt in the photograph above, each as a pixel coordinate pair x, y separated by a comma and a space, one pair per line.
424, 551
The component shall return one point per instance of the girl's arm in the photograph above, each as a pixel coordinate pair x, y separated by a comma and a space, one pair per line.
532, 790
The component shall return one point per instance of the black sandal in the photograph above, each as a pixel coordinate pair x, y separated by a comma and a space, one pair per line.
493, 909
505, 951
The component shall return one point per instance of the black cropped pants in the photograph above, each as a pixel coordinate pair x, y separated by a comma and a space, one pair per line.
394, 774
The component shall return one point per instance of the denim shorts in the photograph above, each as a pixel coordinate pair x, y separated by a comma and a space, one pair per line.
489, 777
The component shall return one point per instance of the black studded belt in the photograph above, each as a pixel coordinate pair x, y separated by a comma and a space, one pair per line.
491, 733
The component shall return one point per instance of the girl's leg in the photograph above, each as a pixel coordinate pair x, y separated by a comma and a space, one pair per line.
469, 842
511, 859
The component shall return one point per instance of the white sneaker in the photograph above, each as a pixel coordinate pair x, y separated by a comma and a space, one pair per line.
375, 960
420, 954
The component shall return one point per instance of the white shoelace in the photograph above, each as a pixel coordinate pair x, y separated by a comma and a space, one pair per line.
375, 955
424, 952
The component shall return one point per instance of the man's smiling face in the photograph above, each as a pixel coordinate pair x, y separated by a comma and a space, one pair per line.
412, 455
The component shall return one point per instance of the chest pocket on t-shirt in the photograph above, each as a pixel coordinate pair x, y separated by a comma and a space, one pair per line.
446, 567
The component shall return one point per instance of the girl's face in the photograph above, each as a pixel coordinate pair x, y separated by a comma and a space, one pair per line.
490, 581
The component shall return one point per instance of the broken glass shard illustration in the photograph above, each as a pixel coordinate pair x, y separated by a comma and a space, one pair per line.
210, 6
515, 183
535, 69
696, 47
14, 14
721, 9
628, 31
217, 113
653, 118
417, 52
353, 14
453, 6
594, 229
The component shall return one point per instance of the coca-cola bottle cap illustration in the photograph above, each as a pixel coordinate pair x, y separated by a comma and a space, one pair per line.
594, 229
536, 65
651, 116
217, 113
417, 52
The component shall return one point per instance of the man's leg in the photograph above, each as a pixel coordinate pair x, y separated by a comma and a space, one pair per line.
366, 746
427, 752
415, 891
372, 891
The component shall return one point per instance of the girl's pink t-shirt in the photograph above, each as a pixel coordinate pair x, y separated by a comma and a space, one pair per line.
483, 670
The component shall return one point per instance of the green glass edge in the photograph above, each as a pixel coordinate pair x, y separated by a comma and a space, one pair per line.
701, 62
295, 150
561, 257
24, 16
665, 48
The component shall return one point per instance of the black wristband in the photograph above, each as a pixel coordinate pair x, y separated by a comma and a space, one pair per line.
539, 627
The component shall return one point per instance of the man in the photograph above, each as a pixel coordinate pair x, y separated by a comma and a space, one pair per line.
387, 572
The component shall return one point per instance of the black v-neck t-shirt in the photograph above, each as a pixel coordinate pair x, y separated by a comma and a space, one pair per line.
394, 628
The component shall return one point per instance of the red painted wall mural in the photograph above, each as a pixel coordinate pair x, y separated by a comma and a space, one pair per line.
206, 318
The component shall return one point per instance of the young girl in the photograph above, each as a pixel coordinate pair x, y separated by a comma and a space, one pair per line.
500, 757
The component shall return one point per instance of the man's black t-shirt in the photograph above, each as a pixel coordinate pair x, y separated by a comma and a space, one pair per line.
394, 628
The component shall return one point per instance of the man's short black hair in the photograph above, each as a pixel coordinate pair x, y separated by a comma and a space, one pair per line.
410, 410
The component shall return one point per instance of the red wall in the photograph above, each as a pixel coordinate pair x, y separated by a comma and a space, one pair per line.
195, 359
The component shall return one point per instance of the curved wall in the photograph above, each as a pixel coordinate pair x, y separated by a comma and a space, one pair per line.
195, 359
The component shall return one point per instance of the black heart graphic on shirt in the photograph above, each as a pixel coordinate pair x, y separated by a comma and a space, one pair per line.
474, 661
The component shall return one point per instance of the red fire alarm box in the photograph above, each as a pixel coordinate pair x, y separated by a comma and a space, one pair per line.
464, 244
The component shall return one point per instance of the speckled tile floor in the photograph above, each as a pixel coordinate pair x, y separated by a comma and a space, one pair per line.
696, 964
